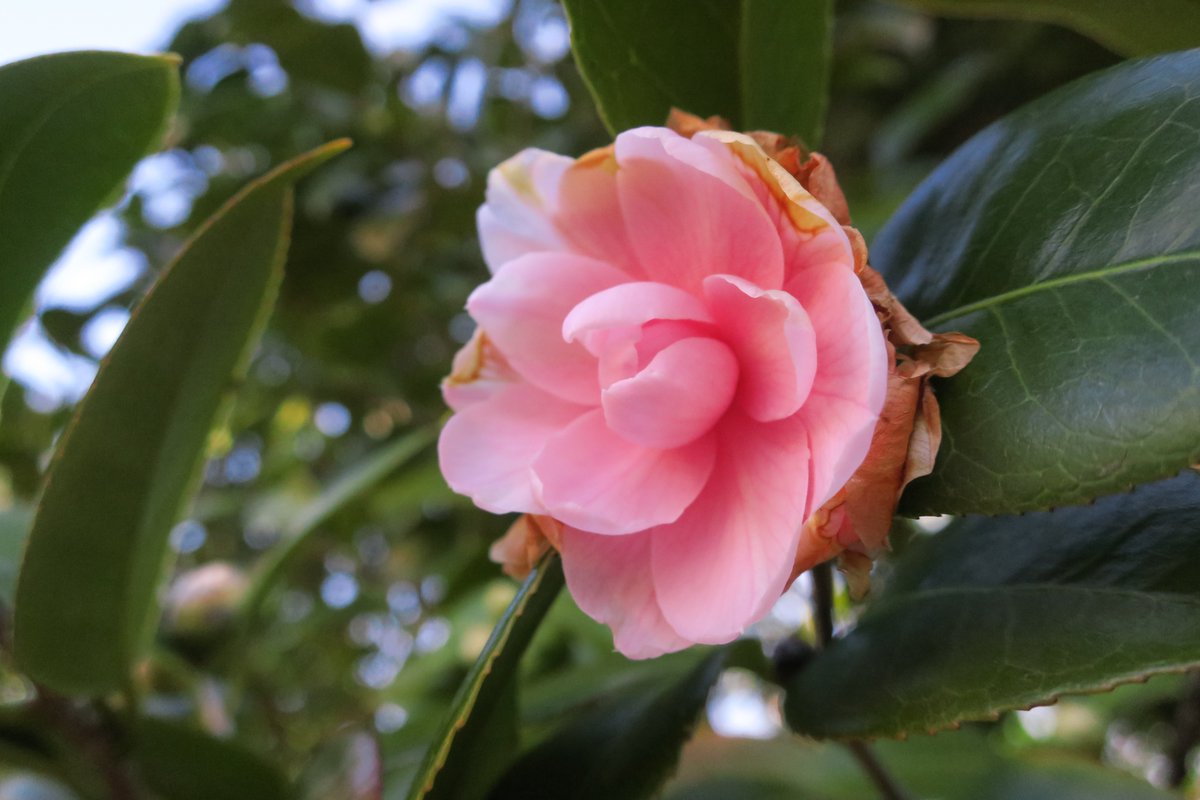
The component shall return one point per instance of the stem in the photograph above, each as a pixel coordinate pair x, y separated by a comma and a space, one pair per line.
822, 578
92, 736
1187, 732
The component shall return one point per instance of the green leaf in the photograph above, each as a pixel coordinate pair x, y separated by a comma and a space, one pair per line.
180, 762
14, 532
72, 126
1065, 240
624, 747
1147, 540
128, 459
459, 764
929, 660
1128, 27
361, 478
952, 766
759, 64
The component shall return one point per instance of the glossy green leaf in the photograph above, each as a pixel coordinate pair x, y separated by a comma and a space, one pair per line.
1064, 238
951, 766
459, 764
758, 63
625, 746
180, 762
358, 480
929, 660
1130, 27
127, 461
72, 126
1148, 540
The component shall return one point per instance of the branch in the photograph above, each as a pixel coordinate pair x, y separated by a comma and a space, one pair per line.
822, 578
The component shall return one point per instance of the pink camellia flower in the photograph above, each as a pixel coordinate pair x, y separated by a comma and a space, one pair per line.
676, 365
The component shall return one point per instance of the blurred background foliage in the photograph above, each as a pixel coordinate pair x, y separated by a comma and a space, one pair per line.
368, 621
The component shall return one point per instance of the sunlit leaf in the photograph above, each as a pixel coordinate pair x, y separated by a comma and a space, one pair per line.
1130, 27
1065, 240
758, 63
127, 461
460, 764
72, 126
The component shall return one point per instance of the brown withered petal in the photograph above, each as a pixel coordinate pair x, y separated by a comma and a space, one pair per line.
526, 541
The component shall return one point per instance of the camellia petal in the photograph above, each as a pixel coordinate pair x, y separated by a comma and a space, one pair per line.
677, 398
486, 450
517, 217
774, 342
684, 223
609, 577
522, 309
727, 559
595, 480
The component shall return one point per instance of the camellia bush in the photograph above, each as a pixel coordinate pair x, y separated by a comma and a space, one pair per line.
806, 491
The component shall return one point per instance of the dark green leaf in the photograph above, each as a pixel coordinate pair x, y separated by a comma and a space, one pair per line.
72, 126
1146, 540
128, 459
180, 762
928, 660
460, 764
1130, 27
624, 747
1065, 239
785, 51
951, 766
759, 64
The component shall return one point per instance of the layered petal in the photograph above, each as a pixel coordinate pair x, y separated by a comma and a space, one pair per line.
589, 211
727, 559
522, 309
518, 217
774, 341
486, 450
677, 398
610, 579
689, 213
851, 382
593, 479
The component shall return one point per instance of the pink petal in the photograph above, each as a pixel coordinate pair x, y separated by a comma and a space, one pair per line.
594, 480
632, 305
849, 388
522, 309
486, 449
589, 212
722, 565
517, 217
774, 341
609, 577
677, 398
689, 213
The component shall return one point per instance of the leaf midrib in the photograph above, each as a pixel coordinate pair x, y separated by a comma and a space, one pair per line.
1066, 280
